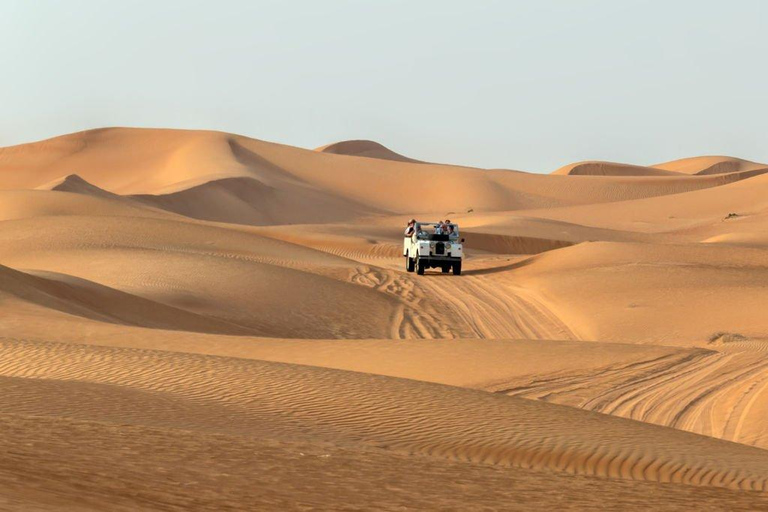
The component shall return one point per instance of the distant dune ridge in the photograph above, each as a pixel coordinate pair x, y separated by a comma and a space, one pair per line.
697, 166
612, 169
201, 320
366, 148
709, 165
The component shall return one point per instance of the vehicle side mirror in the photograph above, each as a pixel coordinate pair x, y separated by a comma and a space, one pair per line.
462, 240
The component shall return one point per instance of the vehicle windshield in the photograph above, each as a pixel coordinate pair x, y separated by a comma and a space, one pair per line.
436, 231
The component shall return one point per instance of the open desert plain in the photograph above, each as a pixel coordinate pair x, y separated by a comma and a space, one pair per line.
196, 320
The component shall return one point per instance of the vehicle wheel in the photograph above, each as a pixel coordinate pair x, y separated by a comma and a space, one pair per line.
410, 264
457, 269
446, 268
422, 265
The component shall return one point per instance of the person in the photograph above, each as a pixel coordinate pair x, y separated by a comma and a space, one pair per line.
410, 229
444, 227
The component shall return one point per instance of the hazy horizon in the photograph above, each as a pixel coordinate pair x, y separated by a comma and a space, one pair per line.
521, 85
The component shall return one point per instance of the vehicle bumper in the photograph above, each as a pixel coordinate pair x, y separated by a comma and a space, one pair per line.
439, 261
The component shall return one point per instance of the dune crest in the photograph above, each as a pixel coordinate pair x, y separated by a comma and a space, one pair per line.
76, 184
365, 148
611, 169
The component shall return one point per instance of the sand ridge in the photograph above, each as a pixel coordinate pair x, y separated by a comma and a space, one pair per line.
255, 398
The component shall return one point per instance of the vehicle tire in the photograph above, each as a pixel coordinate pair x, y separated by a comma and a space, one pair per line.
421, 266
457, 269
446, 268
410, 264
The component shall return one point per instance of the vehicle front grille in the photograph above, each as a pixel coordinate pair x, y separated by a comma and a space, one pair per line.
440, 248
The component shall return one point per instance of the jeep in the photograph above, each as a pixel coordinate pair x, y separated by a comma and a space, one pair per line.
433, 245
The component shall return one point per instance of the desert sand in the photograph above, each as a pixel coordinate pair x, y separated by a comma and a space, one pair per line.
194, 320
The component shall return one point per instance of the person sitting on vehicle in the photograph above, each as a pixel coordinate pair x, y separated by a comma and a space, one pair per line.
410, 229
444, 227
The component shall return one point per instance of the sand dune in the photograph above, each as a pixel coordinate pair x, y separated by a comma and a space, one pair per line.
709, 165
612, 169
668, 294
162, 162
366, 148
183, 266
700, 166
24, 204
76, 184
227, 323
678, 212
249, 201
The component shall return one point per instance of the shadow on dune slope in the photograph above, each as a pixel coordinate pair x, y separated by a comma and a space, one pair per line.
87, 299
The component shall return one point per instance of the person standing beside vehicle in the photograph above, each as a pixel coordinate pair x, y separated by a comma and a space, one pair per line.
410, 229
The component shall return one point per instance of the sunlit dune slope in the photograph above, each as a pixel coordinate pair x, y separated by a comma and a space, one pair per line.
699, 211
660, 293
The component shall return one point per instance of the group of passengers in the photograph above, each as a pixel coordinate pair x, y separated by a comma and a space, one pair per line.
443, 227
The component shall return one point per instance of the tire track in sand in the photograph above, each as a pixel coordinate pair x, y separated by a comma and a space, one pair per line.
436, 306
717, 394
488, 308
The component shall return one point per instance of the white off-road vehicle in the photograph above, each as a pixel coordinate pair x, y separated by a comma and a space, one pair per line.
434, 245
